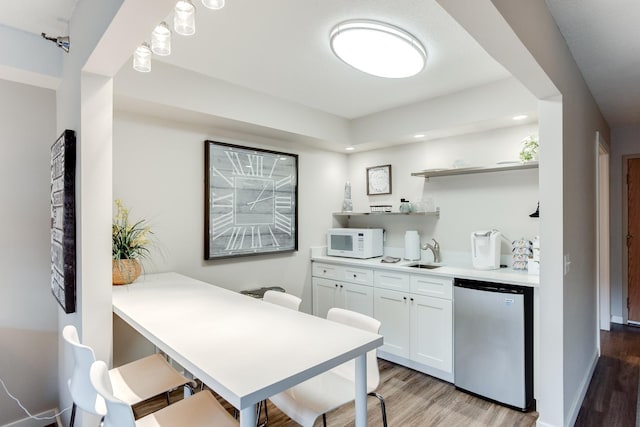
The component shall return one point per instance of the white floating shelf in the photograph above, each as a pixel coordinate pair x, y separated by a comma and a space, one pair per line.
435, 213
510, 166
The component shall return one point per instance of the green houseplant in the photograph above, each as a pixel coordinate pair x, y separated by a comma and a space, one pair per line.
130, 244
529, 150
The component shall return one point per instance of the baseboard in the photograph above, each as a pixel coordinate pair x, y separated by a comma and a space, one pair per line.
584, 386
616, 319
29, 422
543, 424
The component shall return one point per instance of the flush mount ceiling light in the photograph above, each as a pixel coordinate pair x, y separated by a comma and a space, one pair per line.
378, 48
520, 117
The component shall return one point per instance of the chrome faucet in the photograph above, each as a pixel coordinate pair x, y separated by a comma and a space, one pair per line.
435, 248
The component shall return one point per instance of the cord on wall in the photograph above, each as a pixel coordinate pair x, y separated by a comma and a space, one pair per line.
26, 411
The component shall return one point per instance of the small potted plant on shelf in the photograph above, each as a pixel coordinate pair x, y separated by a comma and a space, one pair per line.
130, 241
529, 150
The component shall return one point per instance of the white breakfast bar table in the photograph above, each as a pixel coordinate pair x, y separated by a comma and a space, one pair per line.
244, 349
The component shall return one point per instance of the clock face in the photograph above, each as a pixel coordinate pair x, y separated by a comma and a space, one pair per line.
252, 201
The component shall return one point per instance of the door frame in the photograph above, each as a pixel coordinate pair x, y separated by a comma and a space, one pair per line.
603, 293
625, 231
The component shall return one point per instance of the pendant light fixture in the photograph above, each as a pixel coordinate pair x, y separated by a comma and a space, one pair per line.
161, 39
142, 58
184, 18
213, 4
378, 48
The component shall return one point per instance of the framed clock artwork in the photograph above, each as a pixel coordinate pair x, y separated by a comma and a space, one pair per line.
251, 201
379, 180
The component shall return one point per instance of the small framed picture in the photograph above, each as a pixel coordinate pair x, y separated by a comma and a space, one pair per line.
379, 180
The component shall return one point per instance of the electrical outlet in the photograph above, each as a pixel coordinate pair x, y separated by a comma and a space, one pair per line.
567, 264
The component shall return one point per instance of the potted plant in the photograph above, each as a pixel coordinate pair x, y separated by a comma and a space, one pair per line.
130, 241
529, 150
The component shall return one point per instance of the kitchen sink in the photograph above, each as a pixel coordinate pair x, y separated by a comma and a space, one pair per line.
427, 266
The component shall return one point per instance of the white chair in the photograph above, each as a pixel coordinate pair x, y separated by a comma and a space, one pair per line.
283, 299
317, 396
200, 410
288, 301
132, 383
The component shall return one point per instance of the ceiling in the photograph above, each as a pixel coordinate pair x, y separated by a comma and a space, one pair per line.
605, 41
280, 48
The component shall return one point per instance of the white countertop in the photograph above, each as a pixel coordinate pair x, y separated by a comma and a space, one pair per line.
503, 275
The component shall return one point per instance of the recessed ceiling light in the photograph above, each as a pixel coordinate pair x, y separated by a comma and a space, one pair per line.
520, 117
378, 48
349, 148
419, 135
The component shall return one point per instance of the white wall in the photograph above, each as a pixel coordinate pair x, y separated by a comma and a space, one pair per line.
625, 141
28, 331
501, 200
568, 327
159, 171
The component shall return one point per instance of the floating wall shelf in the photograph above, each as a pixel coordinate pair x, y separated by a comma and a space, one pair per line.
435, 213
510, 166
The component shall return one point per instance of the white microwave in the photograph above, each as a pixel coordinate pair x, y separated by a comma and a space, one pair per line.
354, 242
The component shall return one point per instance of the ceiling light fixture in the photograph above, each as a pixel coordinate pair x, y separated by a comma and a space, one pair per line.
213, 4
142, 58
378, 48
419, 135
161, 39
61, 41
520, 117
349, 148
184, 18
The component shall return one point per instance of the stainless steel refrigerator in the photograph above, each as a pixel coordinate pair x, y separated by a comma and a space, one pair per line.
493, 341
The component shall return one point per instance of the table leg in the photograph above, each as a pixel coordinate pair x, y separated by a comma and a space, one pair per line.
361, 390
248, 416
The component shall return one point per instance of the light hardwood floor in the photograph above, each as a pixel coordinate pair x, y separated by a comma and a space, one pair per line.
413, 399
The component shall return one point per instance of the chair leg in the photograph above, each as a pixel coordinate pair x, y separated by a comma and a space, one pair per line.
324, 420
383, 407
266, 414
73, 415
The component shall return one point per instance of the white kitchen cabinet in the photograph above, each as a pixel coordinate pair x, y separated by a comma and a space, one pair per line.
432, 332
343, 287
417, 327
392, 308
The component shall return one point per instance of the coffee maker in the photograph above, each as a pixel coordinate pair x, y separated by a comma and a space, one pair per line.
485, 249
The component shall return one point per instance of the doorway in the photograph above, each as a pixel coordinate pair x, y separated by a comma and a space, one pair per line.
632, 246
603, 257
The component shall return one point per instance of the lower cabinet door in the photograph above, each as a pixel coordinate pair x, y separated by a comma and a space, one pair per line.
325, 295
432, 332
356, 297
392, 308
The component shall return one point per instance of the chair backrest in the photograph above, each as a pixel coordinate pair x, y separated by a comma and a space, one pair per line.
366, 323
82, 392
282, 299
119, 413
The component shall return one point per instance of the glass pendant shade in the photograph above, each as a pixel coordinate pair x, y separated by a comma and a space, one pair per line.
378, 48
142, 58
213, 4
161, 40
184, 18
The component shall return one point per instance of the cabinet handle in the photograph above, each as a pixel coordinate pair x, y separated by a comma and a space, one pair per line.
411, 299
355, 276
341, 286
405, 298
324, 271
335, 284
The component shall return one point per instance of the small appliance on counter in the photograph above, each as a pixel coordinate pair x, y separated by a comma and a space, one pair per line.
355, 242
411, 245
485, 249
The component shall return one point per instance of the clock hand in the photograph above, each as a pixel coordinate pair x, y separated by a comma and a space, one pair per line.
258, 200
